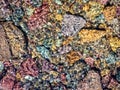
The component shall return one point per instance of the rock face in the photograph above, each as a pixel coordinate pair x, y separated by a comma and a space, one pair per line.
4, 47
90, 82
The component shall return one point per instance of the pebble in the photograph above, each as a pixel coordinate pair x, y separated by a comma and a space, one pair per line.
1, 66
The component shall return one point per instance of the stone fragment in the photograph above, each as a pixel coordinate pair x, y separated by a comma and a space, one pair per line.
109, 13
38, 17
64, 49
89, 61
5, 11
4, 45
72, 24
7, 83
90, 35
29, 67
114, 43
45, 53
111, 59
90, 82
16, 39
113, 83
58, 2
73, 56
1, 66
93, 9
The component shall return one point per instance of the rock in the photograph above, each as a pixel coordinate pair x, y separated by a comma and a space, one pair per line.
4, 46
45, 53
74, 25
114, 43
109, 13
90, 82
16, 39
90, 35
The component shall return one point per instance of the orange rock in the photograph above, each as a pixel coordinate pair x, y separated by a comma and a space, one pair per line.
73, 56
109, 13
66, 42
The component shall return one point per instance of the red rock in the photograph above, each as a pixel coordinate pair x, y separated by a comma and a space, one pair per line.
29, 67
39, 17
7, 82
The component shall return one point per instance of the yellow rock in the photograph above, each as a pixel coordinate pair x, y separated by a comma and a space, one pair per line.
97, 63
35, 54
68, 8
45, 77
86, 7
105, 72
54, 73
53, 47
18, 76
90, 35
93, 9
69, 39
118, 64
57, 29
114, 43
59, 17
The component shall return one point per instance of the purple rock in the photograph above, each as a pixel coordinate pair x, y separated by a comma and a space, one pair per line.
72, 24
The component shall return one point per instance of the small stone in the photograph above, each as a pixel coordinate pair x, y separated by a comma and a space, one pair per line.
111, 59
90, 82
64, 49
59, 17
58, 2
16, 39
43, 51
93, 9
109, 13
36, 3
73, 56
114, 43
90, 35
71, 28
105, 72
1, 66
28, 77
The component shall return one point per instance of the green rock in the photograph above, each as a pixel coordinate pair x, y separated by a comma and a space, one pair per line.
111, 59
1, 66
58, 2
45, 53
28, 77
